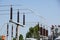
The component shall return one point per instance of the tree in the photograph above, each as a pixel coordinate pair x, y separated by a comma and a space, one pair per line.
14, 38
36, 32
0, 39
21, 37
28, 35
33, 32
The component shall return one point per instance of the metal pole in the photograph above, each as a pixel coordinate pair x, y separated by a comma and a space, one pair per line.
7, 30
12, 33
17, 37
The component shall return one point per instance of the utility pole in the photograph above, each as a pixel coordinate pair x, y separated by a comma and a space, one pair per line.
7, 30
12, 33
17, 36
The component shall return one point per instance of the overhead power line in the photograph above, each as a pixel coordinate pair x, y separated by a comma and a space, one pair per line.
19, 9
9, 5
23, 9
4, 10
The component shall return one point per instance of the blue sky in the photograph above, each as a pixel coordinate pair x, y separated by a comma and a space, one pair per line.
49, 9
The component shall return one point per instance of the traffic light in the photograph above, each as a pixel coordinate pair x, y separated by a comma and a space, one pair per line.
11, 13
23, 19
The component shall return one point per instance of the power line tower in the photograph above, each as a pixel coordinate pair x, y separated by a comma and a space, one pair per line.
18, 24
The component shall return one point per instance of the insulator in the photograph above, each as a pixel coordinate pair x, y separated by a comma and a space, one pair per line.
11, 13
52, 27
16, 32
23, 19
18, 16
44, 32
7, 29
40, 30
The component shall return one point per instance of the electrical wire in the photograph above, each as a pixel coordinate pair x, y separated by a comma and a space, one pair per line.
23, 9
2, 27
4, 31
19, 9
10, 5
25, 13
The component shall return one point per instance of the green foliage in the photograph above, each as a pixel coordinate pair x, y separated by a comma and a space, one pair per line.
14, 38
0, 39
28, 35
36, 33
33, 32
21, 37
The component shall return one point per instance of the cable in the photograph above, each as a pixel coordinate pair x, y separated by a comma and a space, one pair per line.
23, 9
2, 27
19, 9
26, 9
9, 5
4, 10
15, 10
